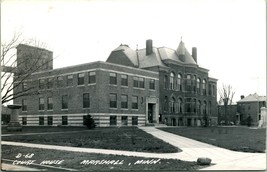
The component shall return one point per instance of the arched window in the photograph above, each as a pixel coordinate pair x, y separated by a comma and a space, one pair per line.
172, 105
199, 107
179, 82
188, 106
194, 104
204, 86
209, 107
188, 82
204, 107
194, 83
198, 85
172, 81
179, 105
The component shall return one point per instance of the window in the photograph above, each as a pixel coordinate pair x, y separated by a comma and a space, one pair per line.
113, 78
24, 86
113, 100
188, 83
179, 82
135, 82
194, 105
113, 120
135, 120
50, 120
124, 80
49, 83
198, 85
60, 81
188, 107
24, 105
194, 83
165, 81
199, 107
64, 120
209, 107
134, 102
124, 101
179, 105
41, 120
204, 87
124, 120
152, 84
41, 84
141, 83
41, 103
49, 103
213, 90
172, 81
172, 105
92, 78
70, 80
210, 89
204, 107
64, 102
24, 120
86, 100
81, 79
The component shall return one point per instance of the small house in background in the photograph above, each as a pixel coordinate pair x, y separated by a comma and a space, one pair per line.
249, 109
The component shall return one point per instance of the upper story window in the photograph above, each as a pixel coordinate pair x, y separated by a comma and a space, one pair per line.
86, 100
124, 101
204, 86
49, 83
179, 82
60, 81
198, 85
124, 80
172, 105
204, 107
70, 80
24, 105
92, 77
135, 82
141, 82
113, 100
64, 102
179, 105
165, 108
188, 83
193, 83
24, 86
41, 84
152, 84
41, 103
49, 103
134, 102
172, 81
199, 107
81, 79
213, 90
113, 78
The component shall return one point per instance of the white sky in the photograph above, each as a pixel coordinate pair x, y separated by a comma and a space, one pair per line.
230, 34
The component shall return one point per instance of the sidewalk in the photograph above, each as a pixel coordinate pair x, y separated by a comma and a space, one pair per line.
223, 158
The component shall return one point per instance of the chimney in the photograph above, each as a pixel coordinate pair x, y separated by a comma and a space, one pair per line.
149, 47
194, 53
242, 96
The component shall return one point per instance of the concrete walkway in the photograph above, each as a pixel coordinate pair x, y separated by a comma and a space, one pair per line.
223, 158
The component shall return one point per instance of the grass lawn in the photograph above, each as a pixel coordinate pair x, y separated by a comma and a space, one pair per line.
123, 138
233, 138
73, 160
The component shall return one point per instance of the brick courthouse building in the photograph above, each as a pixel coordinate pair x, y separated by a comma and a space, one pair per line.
133, 87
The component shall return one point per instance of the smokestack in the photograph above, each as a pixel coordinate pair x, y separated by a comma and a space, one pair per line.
242, 96
149, 47
194, 53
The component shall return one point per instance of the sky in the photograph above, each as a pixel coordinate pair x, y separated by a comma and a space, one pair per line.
230, 35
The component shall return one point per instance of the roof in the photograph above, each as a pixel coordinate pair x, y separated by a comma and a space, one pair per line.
159, 56
253, 98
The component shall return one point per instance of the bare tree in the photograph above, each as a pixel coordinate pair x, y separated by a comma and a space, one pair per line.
226, 93
15, 71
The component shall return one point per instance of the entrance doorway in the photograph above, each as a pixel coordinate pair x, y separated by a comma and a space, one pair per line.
151, 112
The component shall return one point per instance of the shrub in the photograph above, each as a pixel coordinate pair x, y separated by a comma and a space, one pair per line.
89, 122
